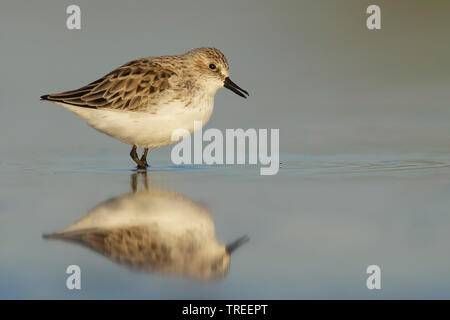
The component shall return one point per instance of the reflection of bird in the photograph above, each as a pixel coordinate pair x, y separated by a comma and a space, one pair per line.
154, 230
142, 102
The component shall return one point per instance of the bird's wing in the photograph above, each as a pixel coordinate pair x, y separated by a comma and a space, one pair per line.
131, 87
134, 247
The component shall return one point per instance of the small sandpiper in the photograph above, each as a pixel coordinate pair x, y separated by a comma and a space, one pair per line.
142, 102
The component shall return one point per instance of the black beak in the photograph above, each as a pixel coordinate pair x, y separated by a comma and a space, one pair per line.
236, 244
234, 87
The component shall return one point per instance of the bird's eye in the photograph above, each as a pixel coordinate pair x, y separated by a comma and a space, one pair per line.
212, 66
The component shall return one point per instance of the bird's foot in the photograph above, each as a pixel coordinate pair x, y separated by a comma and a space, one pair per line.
144, 163
141, 165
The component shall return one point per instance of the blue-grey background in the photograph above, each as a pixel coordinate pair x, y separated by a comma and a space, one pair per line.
364, 139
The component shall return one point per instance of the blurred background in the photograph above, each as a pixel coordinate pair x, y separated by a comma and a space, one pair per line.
313, 69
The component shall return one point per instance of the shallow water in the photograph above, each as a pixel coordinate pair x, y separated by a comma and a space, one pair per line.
313, 228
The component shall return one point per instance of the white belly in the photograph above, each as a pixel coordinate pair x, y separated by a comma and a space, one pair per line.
144, 129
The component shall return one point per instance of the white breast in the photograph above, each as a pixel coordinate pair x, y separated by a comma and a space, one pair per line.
170, 211
144, 129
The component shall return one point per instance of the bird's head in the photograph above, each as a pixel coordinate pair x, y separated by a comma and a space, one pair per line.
211, 71
212, 262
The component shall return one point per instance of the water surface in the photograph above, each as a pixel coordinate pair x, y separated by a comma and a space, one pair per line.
313, 228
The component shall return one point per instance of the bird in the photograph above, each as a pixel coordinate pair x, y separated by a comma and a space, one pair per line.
154, 230
142, 102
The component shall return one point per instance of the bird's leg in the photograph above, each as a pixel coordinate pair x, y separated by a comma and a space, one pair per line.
134, 156
145, 180
144, 157
134, 182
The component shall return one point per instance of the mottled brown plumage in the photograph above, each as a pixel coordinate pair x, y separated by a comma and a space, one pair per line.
141, 83
132, 87
132, 246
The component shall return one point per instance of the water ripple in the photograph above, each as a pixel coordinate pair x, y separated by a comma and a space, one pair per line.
382, 166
